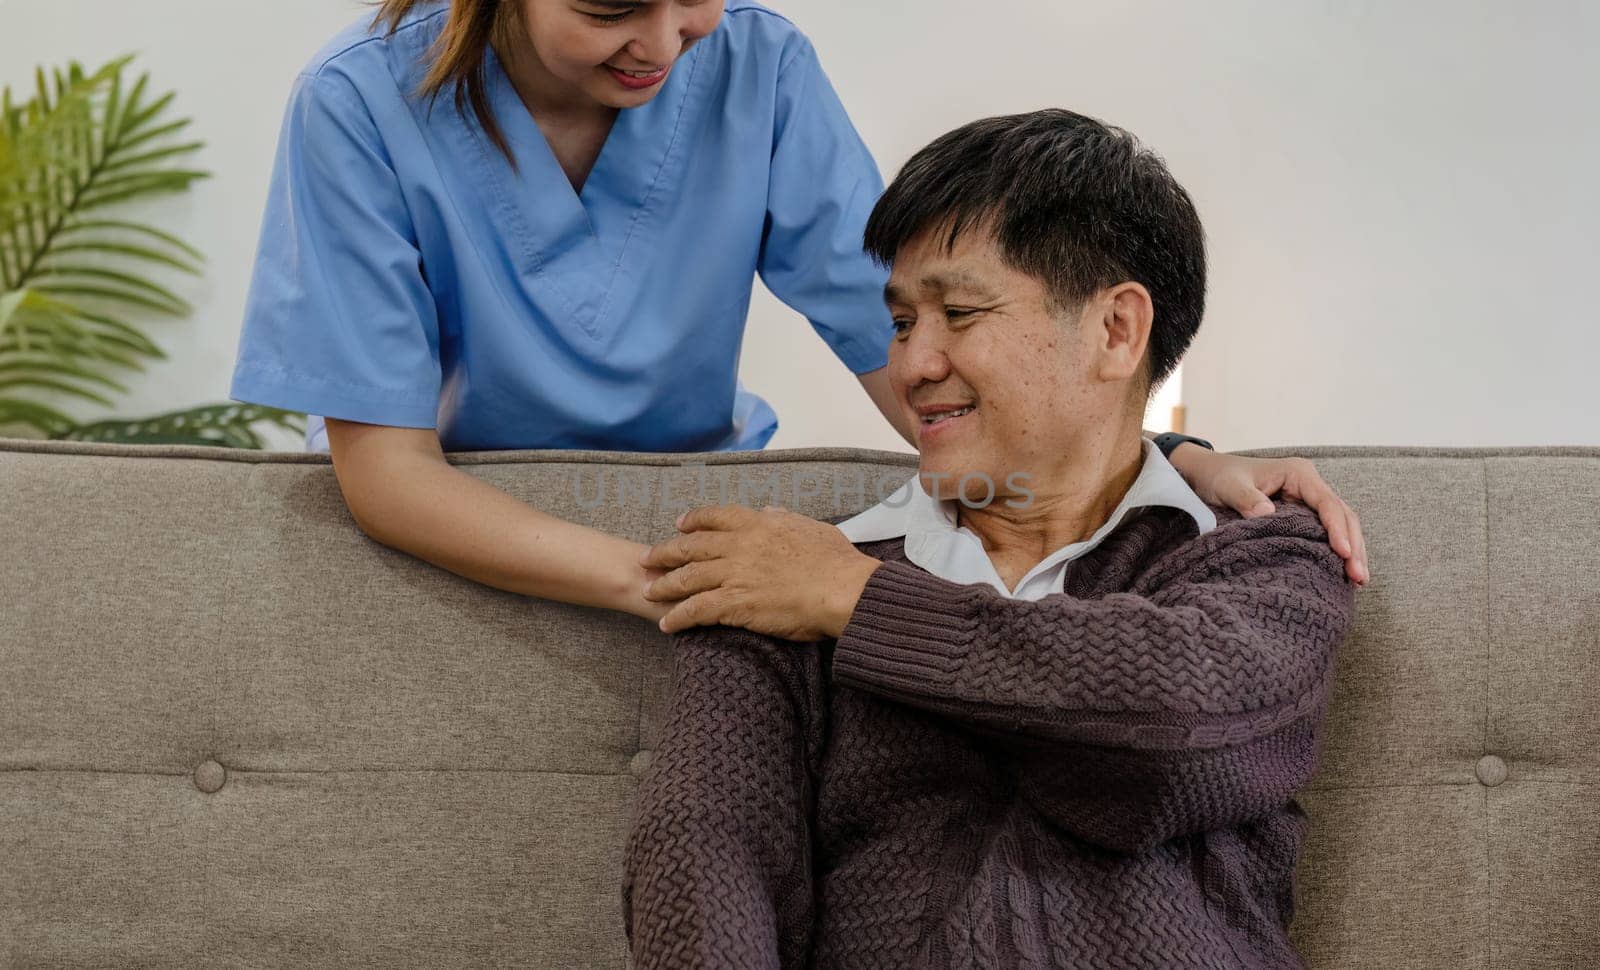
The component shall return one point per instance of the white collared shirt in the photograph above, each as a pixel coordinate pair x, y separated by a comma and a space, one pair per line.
937, 544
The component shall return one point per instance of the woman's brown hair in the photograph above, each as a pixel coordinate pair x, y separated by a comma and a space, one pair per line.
458, 56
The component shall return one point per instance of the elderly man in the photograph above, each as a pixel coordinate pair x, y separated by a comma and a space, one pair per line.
1057, 708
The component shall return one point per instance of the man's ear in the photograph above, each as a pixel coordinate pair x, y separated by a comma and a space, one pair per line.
1122, 333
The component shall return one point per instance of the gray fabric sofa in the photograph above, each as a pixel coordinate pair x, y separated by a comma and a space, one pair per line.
234, 732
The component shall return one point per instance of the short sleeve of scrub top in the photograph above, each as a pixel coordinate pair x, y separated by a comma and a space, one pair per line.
340, 320
410, 274
824, 185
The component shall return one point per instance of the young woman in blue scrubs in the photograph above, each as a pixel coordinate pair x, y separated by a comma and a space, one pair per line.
563, 257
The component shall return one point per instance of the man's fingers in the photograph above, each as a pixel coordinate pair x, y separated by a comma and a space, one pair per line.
705, 609
684, 582
713, 517
686, 548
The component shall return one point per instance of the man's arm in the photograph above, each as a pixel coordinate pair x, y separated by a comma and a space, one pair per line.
1137, 717
718, 865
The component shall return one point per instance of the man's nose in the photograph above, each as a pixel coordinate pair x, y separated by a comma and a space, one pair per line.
922, 356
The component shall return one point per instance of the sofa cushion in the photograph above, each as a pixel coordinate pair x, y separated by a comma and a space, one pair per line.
235, 731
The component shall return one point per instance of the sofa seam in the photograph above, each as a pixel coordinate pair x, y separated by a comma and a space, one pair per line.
638, 720
185, 772
883, 457
243, 770
1488, 658
221, 679
229, 589
531, 456
1381, 786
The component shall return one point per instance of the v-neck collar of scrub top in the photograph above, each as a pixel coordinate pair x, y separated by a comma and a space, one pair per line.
934, 541
566, 238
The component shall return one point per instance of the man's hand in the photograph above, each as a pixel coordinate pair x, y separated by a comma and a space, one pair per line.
772, 572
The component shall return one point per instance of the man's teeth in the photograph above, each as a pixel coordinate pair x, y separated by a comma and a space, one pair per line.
940, 416
641, 73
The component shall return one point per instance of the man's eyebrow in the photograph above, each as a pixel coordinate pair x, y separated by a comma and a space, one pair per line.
955, 280
941, 282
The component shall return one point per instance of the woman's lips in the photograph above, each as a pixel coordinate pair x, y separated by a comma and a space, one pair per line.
635, 82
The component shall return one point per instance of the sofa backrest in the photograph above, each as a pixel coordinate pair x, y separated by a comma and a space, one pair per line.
235, 731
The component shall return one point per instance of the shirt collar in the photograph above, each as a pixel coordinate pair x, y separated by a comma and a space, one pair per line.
937, 544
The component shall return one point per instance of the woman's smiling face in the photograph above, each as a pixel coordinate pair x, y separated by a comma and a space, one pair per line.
618, 52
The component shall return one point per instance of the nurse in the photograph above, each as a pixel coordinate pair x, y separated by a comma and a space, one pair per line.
507, 224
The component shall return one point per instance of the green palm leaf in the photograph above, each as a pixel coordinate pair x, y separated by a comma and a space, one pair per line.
45, 382
46, 346
44, 365
220, 425
106, 294
98, 227
106, 247
74, 275
46, 420
70, 151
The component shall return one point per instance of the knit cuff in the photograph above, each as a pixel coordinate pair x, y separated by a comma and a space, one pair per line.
908, 633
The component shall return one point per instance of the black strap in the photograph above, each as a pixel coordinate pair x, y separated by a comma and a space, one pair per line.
1171, 440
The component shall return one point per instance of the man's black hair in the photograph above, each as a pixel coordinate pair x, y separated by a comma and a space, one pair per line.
1077, 204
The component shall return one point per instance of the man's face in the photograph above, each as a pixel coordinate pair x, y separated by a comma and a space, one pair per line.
994, 373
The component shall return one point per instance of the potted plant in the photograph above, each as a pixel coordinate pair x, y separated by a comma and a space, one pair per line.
77, 274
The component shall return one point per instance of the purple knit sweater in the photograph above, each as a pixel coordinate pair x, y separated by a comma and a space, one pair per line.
1102, 778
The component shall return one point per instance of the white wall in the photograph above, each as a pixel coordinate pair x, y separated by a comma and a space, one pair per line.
1400, 197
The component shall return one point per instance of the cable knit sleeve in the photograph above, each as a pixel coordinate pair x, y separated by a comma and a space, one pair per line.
1192, 702
718, 865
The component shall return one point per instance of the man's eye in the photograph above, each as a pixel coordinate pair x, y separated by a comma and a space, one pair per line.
958, 312
901, 325
608, 18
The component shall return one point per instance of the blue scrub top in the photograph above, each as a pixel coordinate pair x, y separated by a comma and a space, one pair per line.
408, 274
